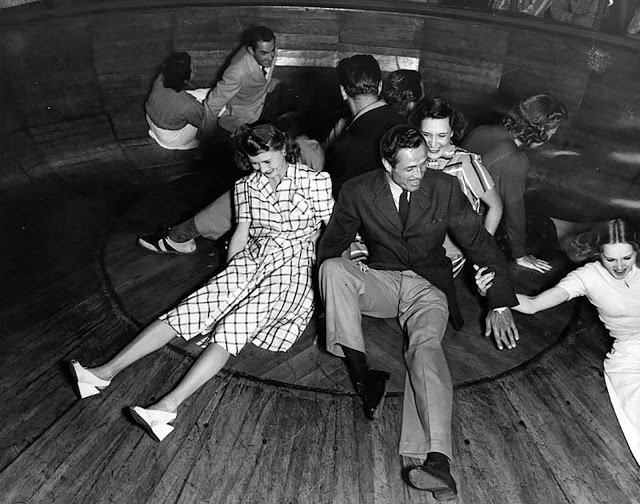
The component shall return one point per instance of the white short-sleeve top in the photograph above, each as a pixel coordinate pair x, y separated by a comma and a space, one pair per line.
617, 301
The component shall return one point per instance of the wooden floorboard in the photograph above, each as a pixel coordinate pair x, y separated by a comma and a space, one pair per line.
542, 432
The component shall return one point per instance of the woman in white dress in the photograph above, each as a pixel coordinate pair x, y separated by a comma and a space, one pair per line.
264, 296
612, 285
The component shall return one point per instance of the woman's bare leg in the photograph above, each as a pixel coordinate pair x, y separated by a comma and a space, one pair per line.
208, 364
153, 337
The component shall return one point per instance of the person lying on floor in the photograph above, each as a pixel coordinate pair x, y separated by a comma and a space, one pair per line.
611, 282
264, 296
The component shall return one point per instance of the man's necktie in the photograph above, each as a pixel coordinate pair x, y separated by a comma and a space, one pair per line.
265, 71
403, 206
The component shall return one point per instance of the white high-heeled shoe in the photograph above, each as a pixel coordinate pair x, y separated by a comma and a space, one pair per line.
154, 421
88, 384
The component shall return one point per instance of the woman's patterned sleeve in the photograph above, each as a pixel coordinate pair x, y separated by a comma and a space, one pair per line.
241, 201
480, 179
321, 194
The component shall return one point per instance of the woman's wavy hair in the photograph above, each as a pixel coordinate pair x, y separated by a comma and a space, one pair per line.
261, 137
176, 70
401, 89
531, 120
588, 246
437, 107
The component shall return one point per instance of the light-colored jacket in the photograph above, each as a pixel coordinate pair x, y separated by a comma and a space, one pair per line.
238, 98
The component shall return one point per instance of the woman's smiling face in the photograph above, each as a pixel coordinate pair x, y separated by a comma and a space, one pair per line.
618, 259
437, 133
271, 163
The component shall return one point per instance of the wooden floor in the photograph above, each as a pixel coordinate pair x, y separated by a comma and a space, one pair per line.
543, 432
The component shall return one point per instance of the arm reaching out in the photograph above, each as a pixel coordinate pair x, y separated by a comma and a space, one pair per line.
547, 299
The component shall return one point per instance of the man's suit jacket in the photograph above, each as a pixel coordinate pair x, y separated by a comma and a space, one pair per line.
365, 205
357, 150
242, 89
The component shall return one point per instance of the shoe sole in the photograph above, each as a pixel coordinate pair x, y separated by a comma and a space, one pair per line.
155, 250
423, 480
143, 423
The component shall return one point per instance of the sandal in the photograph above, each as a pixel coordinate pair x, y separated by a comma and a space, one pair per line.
160, 243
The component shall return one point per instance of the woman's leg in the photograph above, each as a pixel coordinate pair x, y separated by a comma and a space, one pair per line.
153, 337
206, 367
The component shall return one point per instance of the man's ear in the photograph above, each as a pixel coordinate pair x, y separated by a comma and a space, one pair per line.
251, 51
343, 92
387, 165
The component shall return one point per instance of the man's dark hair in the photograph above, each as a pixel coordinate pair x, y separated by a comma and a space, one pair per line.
257, 34
176, 70
359, 75
398, 138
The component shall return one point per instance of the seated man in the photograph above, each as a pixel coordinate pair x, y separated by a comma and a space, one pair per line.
239, 97
403, 213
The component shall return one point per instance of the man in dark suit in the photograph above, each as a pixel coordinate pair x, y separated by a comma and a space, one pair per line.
403, 213
355, 150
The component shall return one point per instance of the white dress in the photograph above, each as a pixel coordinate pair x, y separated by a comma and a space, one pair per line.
618, 305
264, 295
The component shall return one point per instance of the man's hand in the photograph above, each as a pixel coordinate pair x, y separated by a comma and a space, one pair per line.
531, 262
503, 327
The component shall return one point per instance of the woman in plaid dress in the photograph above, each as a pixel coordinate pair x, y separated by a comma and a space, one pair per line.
265, 294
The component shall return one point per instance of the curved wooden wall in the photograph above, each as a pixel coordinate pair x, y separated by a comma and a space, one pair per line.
73, 79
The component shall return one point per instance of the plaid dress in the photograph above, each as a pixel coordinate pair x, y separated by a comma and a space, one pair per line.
265, 294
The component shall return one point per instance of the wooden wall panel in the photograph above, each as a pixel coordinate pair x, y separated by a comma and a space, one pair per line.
534, 64
98, 67
460, 61
391, 39
128, 48
51, 70
462, 38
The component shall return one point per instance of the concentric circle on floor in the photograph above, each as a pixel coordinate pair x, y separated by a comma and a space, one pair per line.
145, 285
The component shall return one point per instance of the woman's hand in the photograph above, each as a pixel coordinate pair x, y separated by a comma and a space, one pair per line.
484, 279
532, 262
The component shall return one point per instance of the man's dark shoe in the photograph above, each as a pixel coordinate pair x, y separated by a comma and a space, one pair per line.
372, 391
434, 475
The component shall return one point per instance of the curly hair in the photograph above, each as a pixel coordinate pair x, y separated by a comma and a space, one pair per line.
437, 107
359, 75
176, 70
531, 120
397, 138
261, 137
401, 89
588, 246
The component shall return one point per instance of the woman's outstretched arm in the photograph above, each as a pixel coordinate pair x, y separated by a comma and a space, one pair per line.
547, 299
238, 239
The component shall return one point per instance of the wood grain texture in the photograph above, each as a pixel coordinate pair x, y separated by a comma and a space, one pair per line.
543, 433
